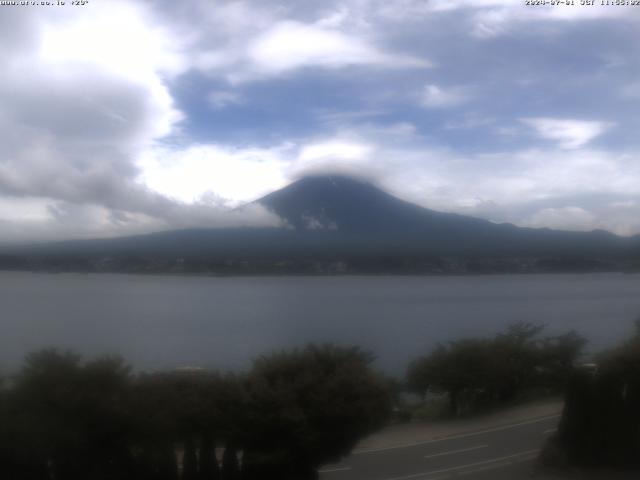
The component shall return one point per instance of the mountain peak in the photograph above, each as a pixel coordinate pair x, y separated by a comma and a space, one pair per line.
331, 181
328, 202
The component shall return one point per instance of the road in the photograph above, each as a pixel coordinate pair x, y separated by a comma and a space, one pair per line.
505, 452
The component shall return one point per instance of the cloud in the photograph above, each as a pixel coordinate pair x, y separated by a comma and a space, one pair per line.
46, 220
234, 174
239, 175
84, 116
534, 187
116, 118
90, 103
564, 218
335, 150
439, 97
492, 18
527, 187
471, 120
220, 99
631, 91
244, 42
611, 213
570, 134
292, 45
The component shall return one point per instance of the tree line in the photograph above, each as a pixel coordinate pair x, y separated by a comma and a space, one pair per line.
476, 373
65, 419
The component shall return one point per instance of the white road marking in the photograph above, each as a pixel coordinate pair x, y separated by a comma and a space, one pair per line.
469, 465
456, 437
551, 430
495, 466
338, 469
452, 452
486, 468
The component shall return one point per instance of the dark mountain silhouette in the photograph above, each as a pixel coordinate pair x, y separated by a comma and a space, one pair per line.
336, 218
358, 211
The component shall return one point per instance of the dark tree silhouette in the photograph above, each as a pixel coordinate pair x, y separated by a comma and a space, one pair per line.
230, 465
66, 419
189, 461
479, 372
601, 420
309, 407
72, 417
208, 468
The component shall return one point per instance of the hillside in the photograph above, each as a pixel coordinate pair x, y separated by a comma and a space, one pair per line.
337, 220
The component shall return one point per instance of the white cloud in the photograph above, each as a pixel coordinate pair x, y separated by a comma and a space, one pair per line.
492, 18
333, 150
526, 187
335, 19
569, 133
439, 97
117, 37
239, 175
86, 104
91, 94
246, 41
235, 174
292, 45
43, 219
91, 90
622, 217
515, 186
563, 218
340, 155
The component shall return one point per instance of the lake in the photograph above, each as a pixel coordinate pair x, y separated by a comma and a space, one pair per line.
173, 321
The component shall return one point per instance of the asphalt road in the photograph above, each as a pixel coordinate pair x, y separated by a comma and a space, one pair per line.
505, 452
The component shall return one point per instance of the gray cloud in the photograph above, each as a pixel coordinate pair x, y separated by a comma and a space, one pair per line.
70, 132
98, 137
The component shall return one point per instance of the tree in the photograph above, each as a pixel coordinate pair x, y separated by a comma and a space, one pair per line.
154, 407
64, 418
477, 372
600, 424
516, 357
460, 369
230, 466
559, 356
420, 376
208, 467
309, 407
190, 461
71, 417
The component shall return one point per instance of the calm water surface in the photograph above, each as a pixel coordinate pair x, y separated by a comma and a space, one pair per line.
170, 321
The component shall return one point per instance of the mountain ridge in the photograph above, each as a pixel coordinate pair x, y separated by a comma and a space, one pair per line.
334, 218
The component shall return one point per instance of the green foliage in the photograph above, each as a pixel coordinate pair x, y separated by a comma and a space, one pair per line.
309, 407
483, 372
68, 419
72, 418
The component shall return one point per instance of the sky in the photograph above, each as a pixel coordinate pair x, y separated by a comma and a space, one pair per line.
123, 117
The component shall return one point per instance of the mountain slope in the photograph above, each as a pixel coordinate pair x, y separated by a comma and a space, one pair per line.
355, 209
334, 217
